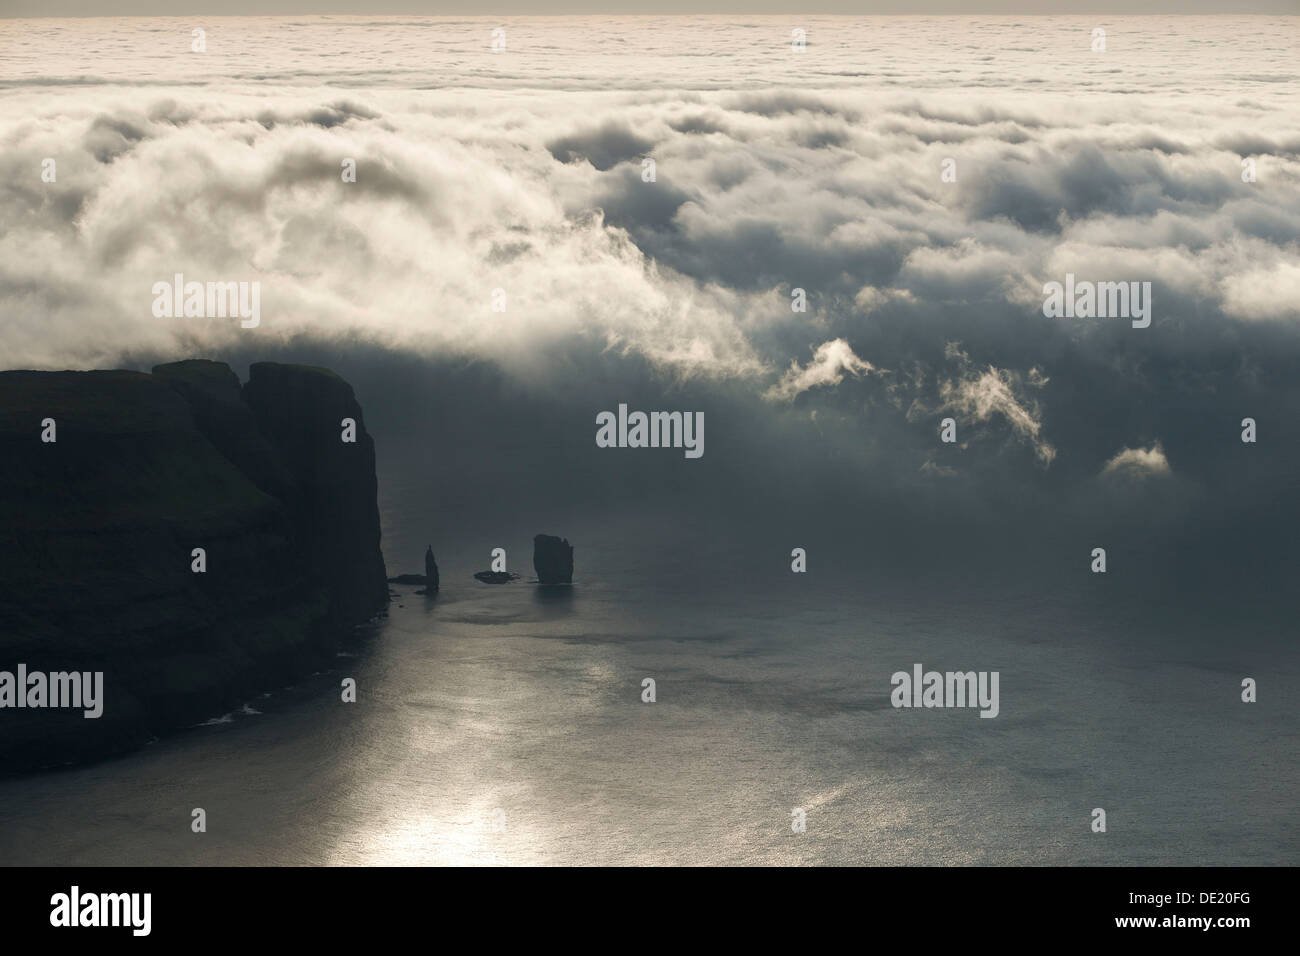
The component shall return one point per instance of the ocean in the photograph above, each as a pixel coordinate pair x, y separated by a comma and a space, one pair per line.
503, 724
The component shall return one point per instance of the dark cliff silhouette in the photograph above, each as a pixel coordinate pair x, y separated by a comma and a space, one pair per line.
96, 545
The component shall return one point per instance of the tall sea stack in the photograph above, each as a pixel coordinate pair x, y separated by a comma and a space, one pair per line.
195, 541
430, 569
552, 559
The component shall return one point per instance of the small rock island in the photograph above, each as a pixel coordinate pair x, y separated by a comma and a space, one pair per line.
496, 577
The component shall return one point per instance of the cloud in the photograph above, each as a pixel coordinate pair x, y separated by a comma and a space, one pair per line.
1138, 463
603, 146
939, 471
531, 183
978, 396
454, 199
1272, 292
830, 362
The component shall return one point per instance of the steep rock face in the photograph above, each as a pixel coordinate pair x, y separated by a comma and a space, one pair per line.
300, 410
215, 397
552, 559
99, 527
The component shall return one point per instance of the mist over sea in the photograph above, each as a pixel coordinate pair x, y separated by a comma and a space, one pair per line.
504, 724
772, 694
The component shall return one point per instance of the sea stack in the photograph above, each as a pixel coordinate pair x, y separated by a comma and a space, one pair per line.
552, 559
430, 569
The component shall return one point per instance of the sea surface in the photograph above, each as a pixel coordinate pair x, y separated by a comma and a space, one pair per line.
504, 724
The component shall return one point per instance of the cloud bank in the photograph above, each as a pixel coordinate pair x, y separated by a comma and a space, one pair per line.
584, 226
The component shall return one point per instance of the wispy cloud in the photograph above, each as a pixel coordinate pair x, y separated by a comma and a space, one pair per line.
830, 363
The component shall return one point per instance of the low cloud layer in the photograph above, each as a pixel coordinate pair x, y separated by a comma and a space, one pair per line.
652, 237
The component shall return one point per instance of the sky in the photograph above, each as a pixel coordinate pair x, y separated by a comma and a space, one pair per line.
95, 8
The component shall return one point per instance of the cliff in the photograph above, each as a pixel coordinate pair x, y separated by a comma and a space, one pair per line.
99, 527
